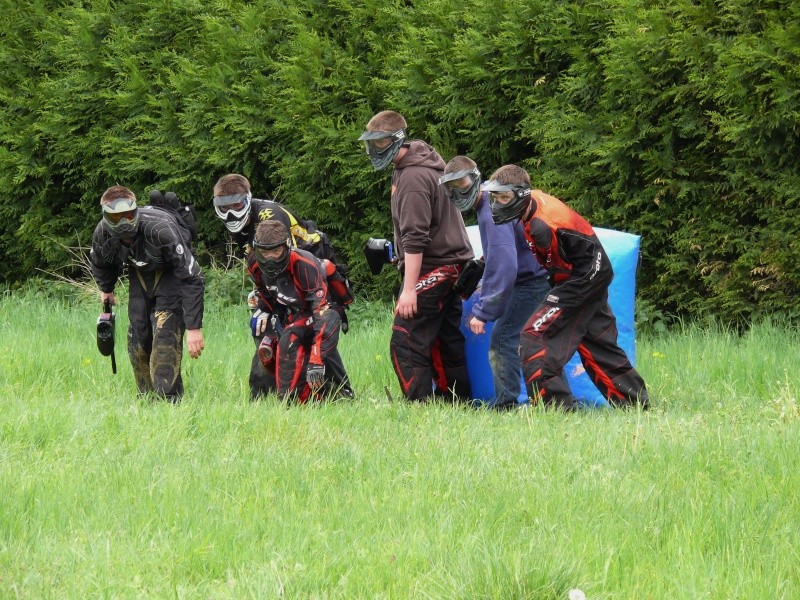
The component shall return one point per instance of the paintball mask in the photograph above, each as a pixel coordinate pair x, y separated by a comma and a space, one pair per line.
504, 211
105, 334
121, 217
271, 247
469, 278
378, 252
382, 146
463, 197
234, 210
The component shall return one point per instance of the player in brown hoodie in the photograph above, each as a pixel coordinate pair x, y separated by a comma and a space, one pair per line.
432, 246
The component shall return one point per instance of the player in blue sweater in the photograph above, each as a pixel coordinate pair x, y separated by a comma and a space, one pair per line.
513, 285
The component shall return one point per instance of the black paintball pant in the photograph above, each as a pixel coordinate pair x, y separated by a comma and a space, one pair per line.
428, 350
559, 327
155, 333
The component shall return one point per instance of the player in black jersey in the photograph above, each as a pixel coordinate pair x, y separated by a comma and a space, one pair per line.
166, 287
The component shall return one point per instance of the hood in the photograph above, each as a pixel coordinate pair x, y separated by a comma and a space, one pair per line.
420, 154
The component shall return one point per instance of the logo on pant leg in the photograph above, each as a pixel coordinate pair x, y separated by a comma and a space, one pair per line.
429, 281
597, 264
546, 318
437, 276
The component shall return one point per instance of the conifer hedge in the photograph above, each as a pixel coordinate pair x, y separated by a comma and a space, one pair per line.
678, 120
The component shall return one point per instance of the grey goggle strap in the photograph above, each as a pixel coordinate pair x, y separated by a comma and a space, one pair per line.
379, 135
287, 242
495, 186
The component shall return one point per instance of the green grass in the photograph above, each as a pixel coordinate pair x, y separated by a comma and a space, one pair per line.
103, 495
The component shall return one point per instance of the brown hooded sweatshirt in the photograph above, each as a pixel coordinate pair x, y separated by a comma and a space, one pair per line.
425, 221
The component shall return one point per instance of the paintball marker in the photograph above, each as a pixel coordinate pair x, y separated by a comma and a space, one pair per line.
378, 252
469, 278
105, 334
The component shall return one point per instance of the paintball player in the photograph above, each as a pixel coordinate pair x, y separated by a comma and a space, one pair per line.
296, 325
575, 315
432, 247
514, 283
166, 288
242, 214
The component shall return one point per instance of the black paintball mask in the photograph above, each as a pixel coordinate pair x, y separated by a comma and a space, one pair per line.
269, 236
514, 208
382, 146
463, 197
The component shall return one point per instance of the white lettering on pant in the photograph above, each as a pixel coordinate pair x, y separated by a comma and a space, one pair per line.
538, 323
430, 280
597, 264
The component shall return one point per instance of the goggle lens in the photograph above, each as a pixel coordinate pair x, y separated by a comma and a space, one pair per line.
226, 208
501, 197
128, 215
271, 252
381, 144
453, 185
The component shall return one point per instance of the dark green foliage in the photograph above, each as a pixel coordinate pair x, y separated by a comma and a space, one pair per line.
677, 120
690, 140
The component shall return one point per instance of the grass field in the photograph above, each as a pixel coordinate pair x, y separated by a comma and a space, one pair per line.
103, 495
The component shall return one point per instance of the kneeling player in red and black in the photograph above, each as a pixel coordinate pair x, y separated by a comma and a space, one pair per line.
299, 326
241, 213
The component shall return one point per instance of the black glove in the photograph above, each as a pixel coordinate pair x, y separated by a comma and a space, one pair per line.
315, 375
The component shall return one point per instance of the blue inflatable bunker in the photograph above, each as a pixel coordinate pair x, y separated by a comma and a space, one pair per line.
623, 250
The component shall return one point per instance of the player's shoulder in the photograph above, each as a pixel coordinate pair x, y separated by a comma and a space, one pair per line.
265, 210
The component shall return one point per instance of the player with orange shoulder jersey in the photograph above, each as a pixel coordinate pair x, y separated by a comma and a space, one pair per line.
575, 315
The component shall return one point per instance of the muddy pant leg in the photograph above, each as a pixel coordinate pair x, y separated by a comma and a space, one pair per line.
607, 364
325, 328
166, 355
140, 336
336, 378
504, 342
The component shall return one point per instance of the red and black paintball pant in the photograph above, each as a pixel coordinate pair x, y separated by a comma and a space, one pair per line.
262, 379
428, 349
559, 327
291, 350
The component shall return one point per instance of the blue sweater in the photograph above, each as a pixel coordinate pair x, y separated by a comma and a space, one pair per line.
509, 261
